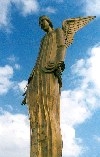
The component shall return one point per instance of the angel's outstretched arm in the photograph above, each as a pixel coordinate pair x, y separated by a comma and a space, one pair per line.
61, 47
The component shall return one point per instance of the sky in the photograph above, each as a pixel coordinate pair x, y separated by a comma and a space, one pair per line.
20, 36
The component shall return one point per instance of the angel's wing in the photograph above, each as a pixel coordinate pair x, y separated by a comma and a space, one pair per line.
72, 25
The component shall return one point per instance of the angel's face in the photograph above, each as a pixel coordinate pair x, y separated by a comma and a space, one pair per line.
44, 25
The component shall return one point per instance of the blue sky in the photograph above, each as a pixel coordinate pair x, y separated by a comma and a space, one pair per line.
20, 37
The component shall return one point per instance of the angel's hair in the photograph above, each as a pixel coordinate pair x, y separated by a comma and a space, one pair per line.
47, 19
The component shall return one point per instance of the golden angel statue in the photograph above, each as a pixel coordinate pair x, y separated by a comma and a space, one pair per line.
43, 90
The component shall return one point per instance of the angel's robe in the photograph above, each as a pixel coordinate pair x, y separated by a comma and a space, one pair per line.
43, 98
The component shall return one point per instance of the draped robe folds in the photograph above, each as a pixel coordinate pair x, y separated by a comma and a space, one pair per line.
43, 99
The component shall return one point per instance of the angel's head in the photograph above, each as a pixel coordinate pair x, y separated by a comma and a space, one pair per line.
45, 23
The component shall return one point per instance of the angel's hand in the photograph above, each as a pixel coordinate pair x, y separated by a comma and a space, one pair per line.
61, 66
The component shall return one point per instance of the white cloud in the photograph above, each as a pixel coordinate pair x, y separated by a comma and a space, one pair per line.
6, 74
4, 12
58, 1
88, 71
79, 104
50, 10
25, 6
13, 61
92, 7
17, 66
97, 138
7, 82
11, 58
73, 102
14, 135
93, 71
71, 144
72, 114
22, 85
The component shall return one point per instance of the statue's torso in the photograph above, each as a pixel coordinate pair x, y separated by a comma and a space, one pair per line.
48, 48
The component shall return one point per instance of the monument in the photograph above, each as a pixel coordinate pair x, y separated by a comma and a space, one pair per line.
42, 95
